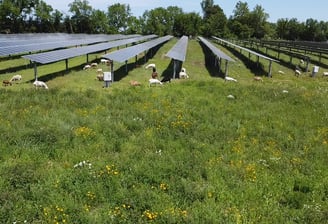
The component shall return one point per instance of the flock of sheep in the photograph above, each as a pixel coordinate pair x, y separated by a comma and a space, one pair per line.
152, 81
17, 78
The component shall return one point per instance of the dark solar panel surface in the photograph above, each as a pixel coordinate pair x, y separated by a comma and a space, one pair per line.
179, 50
129, 52
35, 45
215, 50
58, 55
245, 49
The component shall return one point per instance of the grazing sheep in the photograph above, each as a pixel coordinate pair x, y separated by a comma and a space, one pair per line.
150, 66
302, 61
135, 83
16, 78
41, 84
227, 78
297, 72
100, 77
325, 74
183, 74
100, 71
258, 78
281, 72
94, 65
154, 75
154, 82
6, 83
231, 96
104, 61
86, 67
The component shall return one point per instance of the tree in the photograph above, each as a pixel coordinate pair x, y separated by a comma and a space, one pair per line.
188, 24
258, 22
214, 19
155, 22
43, 17
118, 16
81, 11
99, 22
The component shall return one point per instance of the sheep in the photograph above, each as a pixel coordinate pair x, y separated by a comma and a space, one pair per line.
154, 81
6, 83
325, 74
150, 66
297, 72
16, 78
100, 77
154, 75
94, 65
41, 84
183, 74
86, 67
281, 72
231, 96
302, 61
100, 71
104, 61
135, 83
227, 78
258, 78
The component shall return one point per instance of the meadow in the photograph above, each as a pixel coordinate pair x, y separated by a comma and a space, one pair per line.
178, 153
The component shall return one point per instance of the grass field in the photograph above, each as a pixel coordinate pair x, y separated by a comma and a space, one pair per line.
178, 153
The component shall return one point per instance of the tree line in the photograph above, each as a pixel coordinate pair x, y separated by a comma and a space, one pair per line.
21, 16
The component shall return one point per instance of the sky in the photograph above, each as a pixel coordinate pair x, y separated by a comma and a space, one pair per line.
277, 9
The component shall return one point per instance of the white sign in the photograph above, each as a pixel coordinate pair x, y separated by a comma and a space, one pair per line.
107, 76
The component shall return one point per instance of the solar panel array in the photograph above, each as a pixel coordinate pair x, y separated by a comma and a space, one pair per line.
58, 55
129, 52
41, 43
179, 50
245, 49
215, 50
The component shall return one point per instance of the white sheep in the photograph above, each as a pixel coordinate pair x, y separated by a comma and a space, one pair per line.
41, 84
297, 72
227, 78
16, 78
183, 74
150, 66
281, 72
104, 61
154, 81
100, 71
258, 78
325, 74
86, 67
94, 65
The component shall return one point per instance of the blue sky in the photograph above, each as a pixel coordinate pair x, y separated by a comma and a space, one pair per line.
300, 9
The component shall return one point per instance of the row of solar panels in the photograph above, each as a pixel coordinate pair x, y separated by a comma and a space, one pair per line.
44, 45
215, 50
178, 51
7, 40
129, 52
58, 55
245, 49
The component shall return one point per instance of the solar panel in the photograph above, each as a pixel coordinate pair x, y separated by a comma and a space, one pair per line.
178, 51
58, 55
35, 45
129, 52
246, 49
215, 50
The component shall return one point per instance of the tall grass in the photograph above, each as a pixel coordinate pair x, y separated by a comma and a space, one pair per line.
181, 153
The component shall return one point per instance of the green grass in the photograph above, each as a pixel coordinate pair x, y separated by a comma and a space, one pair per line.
180, 153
